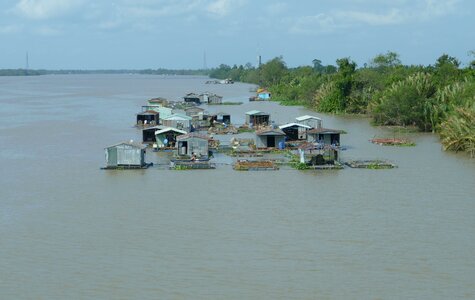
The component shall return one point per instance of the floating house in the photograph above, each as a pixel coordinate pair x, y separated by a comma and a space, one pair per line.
148, 134
149, 117
164, 112
263, 94
312, 121
195, 112
158, 101
193, 143
270, 138
324, 136
319, 154
150, 107
211, 98
221, 117
257, 118
125, 155
178, 121
166, 137
295, 131
226, 81
192, 98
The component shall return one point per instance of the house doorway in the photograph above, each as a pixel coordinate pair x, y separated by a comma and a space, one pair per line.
271, 141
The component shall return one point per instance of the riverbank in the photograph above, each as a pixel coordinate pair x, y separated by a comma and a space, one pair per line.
437, 98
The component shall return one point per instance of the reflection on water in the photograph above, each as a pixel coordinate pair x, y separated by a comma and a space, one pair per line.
70, 230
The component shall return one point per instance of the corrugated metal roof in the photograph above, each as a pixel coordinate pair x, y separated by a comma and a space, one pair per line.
256, 112
194, 95
169, 129
324, 130
307, 117
294, 124
271, 131
192, 135
158, 127
148, 113
209, 94
178, 117
194, 108
129, 143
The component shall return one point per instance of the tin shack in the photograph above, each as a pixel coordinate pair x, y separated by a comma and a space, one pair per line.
166, 137
193, 143
270, 138
312, 121
211, 98
125, 155
179, 121
295, 131
192, 98
324, 136
148, 134
257, 118
148, 118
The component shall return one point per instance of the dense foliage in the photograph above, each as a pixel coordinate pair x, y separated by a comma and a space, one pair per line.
438, 98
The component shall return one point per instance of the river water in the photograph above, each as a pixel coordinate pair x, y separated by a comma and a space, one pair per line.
69, 230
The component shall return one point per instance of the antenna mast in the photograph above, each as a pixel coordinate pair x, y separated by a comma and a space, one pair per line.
27, 66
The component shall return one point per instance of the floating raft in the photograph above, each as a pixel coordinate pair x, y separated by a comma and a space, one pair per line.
250, 153
191, 165
245, 165
392, 142
370, 164
128, 167
326, 167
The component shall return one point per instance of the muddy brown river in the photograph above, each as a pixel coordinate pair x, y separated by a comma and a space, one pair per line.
69, 230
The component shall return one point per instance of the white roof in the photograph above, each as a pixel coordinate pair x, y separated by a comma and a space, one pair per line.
307, 117
294, 124
167, 129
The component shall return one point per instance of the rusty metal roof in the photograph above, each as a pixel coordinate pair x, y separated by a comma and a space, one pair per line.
148, 112
192, 135
270, 131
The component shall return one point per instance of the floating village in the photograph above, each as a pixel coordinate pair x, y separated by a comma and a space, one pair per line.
196, 139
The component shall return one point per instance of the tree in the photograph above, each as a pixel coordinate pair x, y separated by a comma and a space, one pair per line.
471, 64
390, 59
272, 71
407, 102
317, 65
447, 70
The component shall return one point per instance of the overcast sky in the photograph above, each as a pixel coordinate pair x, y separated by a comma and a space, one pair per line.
135, 34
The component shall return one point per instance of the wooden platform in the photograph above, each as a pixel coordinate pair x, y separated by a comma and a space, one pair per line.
370, 164
191, 165
127, 167
245, 165
392, 142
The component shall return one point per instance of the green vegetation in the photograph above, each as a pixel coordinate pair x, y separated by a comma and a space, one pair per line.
300, 166
436, 98
181, 168
20, 72
243, 129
